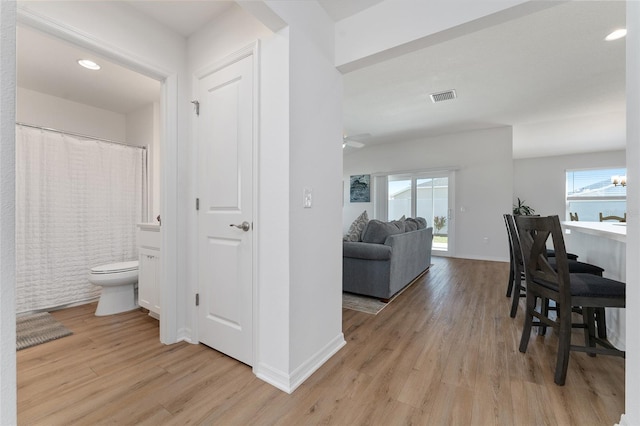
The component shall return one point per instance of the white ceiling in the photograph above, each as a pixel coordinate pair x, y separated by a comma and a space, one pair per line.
538, 73
548, 74
49, 65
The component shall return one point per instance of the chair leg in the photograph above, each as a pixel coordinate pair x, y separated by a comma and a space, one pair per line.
601, 323
528, 322
544, 309
588, 318
515, 299
511, 282
564, 346
518, 288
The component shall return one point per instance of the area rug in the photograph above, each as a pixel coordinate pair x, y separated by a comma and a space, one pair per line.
371, 305
34, 329
365, 304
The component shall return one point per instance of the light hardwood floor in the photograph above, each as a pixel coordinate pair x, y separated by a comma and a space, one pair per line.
445, 352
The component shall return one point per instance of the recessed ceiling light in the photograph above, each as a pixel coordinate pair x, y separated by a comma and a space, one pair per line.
89, 64
616, 34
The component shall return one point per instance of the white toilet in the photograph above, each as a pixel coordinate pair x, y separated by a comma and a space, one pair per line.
118, 282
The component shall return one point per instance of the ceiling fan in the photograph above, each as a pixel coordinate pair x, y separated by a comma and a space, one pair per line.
353, 140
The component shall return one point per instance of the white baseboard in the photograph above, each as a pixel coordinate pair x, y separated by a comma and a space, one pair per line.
290, 382
623, 421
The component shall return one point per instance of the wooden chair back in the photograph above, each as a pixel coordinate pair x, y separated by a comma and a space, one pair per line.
534, 233
618, 218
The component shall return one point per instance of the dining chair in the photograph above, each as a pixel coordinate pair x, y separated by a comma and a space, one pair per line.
588, 291
618, 218
517, 269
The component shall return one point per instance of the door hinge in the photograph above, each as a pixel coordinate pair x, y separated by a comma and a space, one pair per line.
197, 203
197, 299
196, 104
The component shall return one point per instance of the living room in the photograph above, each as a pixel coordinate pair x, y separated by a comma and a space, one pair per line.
496, 165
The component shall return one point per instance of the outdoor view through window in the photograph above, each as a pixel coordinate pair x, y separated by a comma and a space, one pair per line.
590, 192
428, 197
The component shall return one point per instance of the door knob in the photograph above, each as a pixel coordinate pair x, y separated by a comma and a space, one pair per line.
245, 226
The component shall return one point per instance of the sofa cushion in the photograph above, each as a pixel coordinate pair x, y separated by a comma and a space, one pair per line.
377, 231
360, 250
356, 228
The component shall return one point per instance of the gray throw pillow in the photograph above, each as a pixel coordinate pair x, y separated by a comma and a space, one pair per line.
410, 224
356, 228
421, 221
377, 231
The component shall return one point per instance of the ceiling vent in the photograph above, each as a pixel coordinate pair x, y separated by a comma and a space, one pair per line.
443, 96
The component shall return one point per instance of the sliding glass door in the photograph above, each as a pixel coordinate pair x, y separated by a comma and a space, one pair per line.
424, 195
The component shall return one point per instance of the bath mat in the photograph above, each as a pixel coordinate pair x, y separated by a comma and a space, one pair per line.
32, 330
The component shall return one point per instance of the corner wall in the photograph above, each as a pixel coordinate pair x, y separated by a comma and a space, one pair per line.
8, 391
483, 183
632, 366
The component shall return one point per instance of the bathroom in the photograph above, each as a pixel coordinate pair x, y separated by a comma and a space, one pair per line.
104, 124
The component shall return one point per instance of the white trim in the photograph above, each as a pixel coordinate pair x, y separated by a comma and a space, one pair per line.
409, 173
168, 147
249, 50
623, 421
290, 382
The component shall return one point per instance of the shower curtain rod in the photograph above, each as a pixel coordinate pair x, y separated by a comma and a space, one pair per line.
80, 135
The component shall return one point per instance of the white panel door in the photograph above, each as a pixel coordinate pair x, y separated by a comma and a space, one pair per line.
225, 188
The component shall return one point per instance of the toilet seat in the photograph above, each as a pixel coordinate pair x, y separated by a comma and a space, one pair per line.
112, 268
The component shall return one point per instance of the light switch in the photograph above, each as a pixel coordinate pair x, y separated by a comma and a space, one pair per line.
307, 197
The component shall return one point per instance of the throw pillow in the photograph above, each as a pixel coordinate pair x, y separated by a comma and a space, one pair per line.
422, 222
377, 231
410, 225
356, 228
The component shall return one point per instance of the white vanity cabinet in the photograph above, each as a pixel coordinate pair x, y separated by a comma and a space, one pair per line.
149, 268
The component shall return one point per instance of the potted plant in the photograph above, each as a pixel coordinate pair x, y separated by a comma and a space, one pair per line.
522, 209
439, 222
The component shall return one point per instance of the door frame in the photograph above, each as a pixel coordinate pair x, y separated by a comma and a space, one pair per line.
252, 49
168, 143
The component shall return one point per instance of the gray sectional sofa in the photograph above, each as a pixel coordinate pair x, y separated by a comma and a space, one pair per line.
388, 256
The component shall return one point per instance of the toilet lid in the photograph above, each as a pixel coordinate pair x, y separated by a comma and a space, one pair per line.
115, 267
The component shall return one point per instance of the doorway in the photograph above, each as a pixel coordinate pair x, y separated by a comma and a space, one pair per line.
63, 97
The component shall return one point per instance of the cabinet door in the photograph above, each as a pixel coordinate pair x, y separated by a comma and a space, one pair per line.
148, 280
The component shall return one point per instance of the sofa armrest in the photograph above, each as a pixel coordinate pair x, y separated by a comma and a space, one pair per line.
368, 251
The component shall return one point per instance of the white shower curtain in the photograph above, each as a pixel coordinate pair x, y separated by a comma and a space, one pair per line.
77, 204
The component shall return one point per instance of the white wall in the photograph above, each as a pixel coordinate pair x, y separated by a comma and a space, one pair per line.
632, 364
45, 110
143, 129
540, 181
8, 395
483, 183
299, 262
315, 162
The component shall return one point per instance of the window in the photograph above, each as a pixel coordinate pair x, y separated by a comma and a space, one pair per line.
590, 192
423, 195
